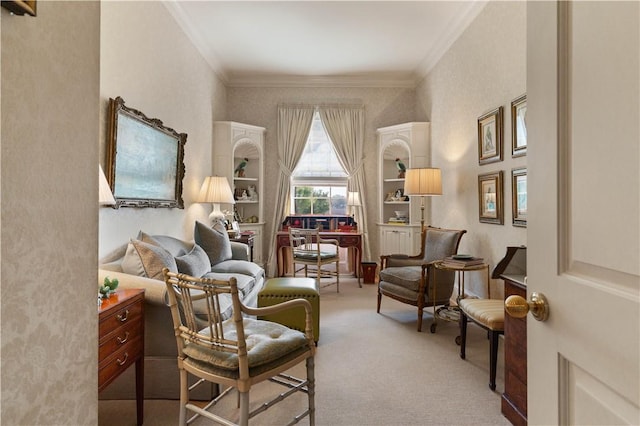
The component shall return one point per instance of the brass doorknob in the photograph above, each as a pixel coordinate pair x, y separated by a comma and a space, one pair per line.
517, 306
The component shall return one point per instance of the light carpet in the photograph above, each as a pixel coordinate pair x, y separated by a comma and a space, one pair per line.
371, 369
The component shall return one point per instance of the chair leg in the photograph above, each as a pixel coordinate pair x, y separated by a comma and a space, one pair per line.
493, 347
420, 312
311, 388
337, 276
463, 335
379, 299
184, 398
244, 409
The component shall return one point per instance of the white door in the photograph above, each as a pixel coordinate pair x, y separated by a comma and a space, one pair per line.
583, 233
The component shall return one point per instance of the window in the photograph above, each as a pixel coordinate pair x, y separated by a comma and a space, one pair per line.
319, 183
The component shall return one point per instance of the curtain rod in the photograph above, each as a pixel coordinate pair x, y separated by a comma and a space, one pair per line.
321, 105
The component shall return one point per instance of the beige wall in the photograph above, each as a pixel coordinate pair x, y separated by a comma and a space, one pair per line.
148, 60
50, 122
484, 69
383, 107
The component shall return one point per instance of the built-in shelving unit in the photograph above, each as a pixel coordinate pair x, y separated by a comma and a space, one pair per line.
234, 143
399, 216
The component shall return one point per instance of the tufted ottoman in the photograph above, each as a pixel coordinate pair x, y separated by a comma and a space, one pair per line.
277, 290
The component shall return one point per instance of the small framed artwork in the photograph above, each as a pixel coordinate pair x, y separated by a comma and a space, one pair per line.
519, 126
490, 137
490, 197
519, 196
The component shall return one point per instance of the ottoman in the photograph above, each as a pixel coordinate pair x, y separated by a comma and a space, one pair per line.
277, 290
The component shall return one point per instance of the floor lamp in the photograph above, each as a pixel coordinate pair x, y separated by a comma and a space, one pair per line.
216, 190
422, 183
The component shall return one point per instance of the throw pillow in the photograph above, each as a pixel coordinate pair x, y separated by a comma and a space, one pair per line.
146, 260
195, 263
214, 241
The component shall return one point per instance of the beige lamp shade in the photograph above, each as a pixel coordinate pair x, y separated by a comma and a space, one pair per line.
353, 199
423, 182
105, 196
215, 190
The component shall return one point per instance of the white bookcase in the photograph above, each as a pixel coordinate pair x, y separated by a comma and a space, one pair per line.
233, 143
408, 142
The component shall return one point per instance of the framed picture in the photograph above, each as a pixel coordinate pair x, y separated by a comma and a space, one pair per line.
490, 137
145, 160
490, 197
21, 7
519, 126
519, 196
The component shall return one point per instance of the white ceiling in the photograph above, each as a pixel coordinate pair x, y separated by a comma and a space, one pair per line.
355, 43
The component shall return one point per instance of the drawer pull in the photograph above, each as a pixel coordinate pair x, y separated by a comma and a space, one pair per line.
123, 317
126, 355
121, 340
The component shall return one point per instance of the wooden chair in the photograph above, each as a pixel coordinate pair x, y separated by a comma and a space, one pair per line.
412, 279
313, 252
238, 352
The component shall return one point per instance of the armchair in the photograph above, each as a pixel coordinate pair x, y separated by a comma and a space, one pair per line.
239, 352
412, 279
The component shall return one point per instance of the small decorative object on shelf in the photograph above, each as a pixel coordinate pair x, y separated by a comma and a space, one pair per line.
239, 171
401, 168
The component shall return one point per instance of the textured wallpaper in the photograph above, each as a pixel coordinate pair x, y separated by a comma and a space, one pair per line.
383, 107
50, 87
148, 60
484, 69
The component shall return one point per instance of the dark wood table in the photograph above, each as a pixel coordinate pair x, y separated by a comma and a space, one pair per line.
245, 239
350, 240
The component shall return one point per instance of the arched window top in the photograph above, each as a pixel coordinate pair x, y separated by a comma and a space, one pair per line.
319, 158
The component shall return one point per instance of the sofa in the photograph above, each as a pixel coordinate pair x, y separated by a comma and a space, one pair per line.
139, 263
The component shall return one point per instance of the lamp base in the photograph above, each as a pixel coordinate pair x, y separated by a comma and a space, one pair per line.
216, 215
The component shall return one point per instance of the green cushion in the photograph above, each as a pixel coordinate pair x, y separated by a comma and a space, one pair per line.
313, 255
266, 342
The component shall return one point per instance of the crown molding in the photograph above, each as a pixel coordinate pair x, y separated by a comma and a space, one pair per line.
364, 80
456, 27
175, 9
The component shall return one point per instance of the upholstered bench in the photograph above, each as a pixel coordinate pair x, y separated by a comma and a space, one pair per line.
488, 314
277, 290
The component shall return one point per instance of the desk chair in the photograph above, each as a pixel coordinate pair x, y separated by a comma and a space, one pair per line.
313, 252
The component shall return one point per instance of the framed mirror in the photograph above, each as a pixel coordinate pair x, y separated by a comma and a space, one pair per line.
145, 159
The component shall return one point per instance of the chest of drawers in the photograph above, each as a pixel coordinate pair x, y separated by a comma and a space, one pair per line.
121, 340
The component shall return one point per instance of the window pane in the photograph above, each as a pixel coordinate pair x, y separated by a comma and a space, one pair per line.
302, 206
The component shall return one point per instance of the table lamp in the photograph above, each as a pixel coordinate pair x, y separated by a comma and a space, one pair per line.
353, 200
216, 190
422, 183
105, 196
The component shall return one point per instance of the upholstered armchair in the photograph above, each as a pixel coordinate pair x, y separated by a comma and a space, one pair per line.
413, 279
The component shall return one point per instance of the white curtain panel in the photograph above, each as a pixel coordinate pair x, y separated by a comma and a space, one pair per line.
345, 126
294, 125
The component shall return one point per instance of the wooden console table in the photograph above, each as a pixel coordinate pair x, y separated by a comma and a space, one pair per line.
350, 240
121, 340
